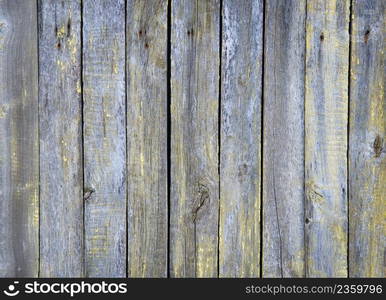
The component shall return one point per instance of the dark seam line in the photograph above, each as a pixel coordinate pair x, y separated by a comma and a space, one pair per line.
305, 205
274, 160
219, 138
277, 218
39, 171
262, 140
194, 65
82, 133
348, 139
305, 236
168, 96
126, 152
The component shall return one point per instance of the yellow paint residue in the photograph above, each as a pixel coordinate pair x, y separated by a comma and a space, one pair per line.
72, 43
3, 111
35, 204
61, 32
206, 254
1, 36
91, 40
340, 236
78, 87
142, 162
115, 68
297, 264
61, 65
376, 179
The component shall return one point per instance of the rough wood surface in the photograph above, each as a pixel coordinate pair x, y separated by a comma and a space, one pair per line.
326, 115
367, 154
283, 153
19, 148
147, 138
61, 172
283, 120
242, 37
104, 129
194, 199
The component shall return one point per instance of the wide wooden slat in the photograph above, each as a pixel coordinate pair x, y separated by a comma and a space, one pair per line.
104, 129
19, 147
61, 172
147, 138
283, 154
326, 115
367, 158
194, 199
242, 37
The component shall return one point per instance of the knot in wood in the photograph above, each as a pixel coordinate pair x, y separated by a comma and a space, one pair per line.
203, 197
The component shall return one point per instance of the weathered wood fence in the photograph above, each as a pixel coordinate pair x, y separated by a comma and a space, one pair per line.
190, 138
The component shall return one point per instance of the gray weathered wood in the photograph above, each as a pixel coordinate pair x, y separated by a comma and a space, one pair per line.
367, 154
194, 198
19, 148
283, 153
105, 99
242, 37
147, 138
326, 114
104, 130
61, 172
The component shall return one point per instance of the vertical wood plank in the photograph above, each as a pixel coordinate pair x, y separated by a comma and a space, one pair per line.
283, 153
326, 114
61, 174
104, 125
367, 158
147, 138
194, 138
242, 32
19, 148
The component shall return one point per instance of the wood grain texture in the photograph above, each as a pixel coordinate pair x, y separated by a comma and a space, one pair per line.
283, 153
326, 115
104, 130
194, 199
19, 148
367, 154
259, 108
147, 138
61, 169
242, 37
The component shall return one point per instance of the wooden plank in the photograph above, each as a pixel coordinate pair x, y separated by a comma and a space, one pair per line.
104, 125
61, 203
147, 138
326, 114
194, 138
242, 37
367, 159
19, 148
283, 153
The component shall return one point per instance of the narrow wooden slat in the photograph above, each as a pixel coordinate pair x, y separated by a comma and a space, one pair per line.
242, 37
283, 153
61, 202
367, 158
104, 129
147, 138
326, 114
194, 138
19, 148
